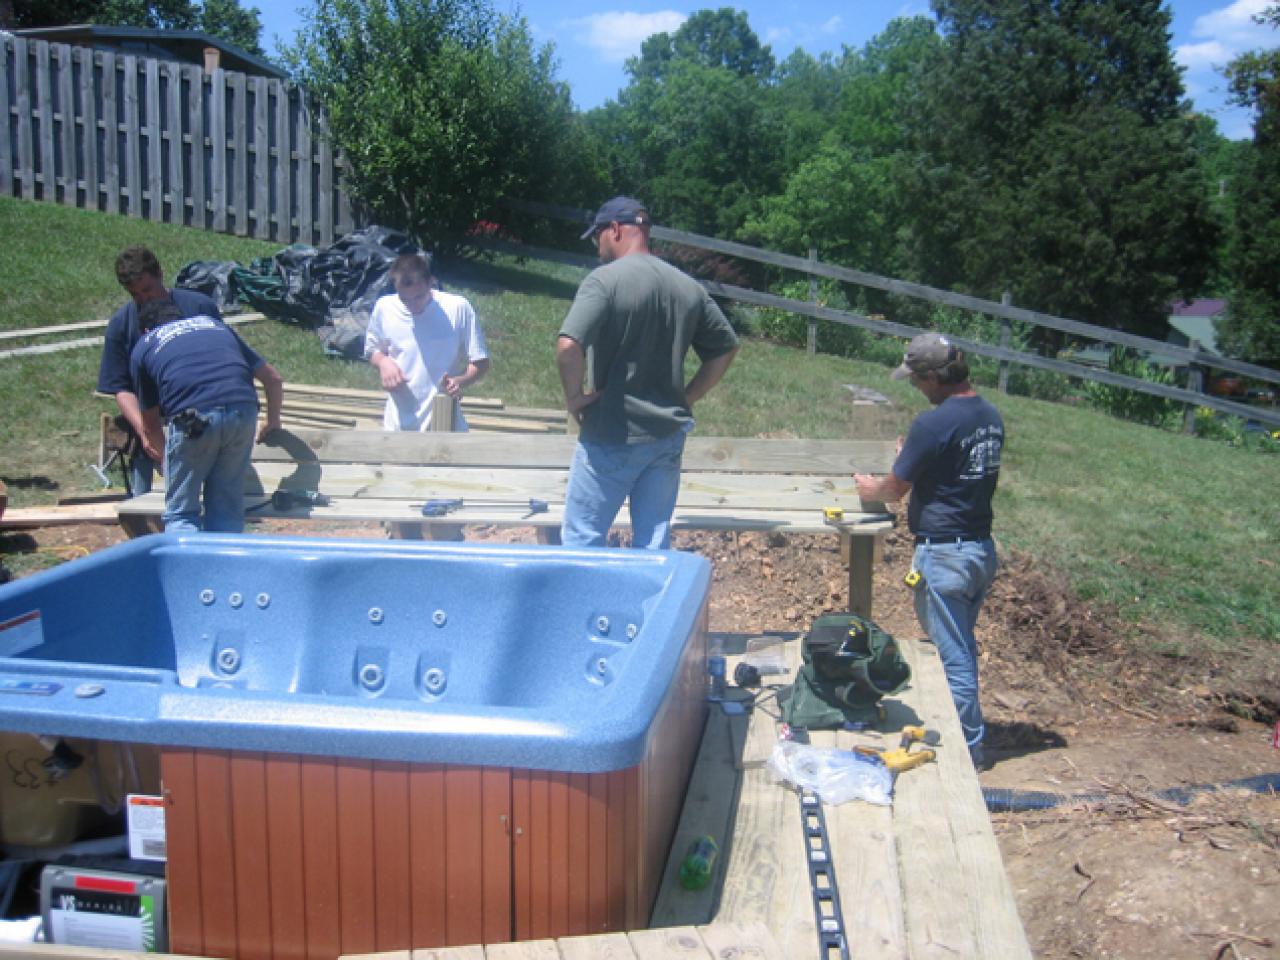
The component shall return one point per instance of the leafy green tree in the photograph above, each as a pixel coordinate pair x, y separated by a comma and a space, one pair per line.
442, 109
1252, 327
843, 200
1049, 156
693, 134
224, 19
713, 38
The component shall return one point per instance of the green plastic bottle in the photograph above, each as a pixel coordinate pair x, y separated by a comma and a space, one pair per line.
698, 862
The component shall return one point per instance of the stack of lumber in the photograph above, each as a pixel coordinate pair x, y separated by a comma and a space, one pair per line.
329, 408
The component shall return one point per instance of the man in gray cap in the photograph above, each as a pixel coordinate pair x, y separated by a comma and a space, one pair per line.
621, 353
950, 463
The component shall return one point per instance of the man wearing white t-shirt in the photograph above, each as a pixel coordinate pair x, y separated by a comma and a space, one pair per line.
423, 342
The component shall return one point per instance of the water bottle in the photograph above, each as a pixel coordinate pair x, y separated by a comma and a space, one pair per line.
698, 862
715, 670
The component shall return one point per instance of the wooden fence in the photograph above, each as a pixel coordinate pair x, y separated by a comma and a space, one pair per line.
1195, 360
168, 142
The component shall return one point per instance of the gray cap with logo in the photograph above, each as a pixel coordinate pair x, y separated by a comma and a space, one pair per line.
926, 352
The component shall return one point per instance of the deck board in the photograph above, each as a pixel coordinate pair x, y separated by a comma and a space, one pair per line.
920, 879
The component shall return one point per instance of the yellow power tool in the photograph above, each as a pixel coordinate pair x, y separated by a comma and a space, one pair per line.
901, 757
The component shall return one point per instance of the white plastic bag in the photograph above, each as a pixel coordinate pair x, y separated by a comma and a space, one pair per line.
834, 775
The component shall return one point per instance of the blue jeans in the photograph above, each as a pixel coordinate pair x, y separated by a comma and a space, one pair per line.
213, 464
956, 577
603, 475
141, 472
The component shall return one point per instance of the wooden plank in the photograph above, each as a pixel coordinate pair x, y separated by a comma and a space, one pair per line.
43, 116
356, 873
324, 188
175, 116
285, 866
64, 85
110, 131
182, 817
745, 940
90, 129
196, 83
283, 226
464, 893
470, 952
670, 943
155, 148
25, 169
239, 122
524, 950
721, 454
261, 159
393, 888
217, 85
248, 785
322, 894
708, 809
946, 800
302, 177
18, 517
602, 946
132, 159
428, 865
216, 862
6, 157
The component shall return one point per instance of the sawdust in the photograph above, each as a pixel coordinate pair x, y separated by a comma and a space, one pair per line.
1078, 703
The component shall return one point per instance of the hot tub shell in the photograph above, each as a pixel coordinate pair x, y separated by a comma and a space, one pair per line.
373, 745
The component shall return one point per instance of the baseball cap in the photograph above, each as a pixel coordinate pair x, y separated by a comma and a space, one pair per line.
619, 210
925, 352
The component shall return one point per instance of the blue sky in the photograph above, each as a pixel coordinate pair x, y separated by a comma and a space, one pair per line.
593, 38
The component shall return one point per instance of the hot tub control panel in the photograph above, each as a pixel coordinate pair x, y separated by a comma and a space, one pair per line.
113, 908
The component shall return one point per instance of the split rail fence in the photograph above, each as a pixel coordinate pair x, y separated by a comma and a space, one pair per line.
1195, 360
167, 142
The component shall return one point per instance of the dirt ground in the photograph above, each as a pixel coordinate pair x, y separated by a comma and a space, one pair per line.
1073, 708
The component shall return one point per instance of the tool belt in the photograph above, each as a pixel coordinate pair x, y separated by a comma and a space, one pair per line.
191, 422
849, 665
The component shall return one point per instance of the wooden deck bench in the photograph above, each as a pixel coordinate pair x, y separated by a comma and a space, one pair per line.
727, 483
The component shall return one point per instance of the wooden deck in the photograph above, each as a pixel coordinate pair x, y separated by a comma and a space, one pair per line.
921, 879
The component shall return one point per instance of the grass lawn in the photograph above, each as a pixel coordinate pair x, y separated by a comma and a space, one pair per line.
1173, 530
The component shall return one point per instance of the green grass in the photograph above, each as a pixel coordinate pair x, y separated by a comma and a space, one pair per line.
1173, 531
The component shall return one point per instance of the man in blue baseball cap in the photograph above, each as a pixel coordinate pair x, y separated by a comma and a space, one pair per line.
621, 355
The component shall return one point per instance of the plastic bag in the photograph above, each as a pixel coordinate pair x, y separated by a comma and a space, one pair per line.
834, 775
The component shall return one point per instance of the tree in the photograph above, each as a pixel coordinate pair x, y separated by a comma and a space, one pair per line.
1252, 326
224, 19
843, 199
713, 38
442, 109
1049, 156
692, 134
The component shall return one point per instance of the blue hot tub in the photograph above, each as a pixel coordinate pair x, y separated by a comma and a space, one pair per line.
506, 655
380, 745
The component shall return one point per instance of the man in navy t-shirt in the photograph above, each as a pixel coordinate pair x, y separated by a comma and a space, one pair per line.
950, 463
138, 271
198, 375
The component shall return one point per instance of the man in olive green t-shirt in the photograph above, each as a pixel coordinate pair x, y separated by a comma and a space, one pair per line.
621, 354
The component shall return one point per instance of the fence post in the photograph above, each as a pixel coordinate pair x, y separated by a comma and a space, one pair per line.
1006, 332
1195, 381
812, 342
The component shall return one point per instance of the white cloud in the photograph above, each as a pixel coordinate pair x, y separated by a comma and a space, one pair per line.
618, 34
832, 25
1224, 34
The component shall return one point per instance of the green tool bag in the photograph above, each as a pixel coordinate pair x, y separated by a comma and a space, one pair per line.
849, 664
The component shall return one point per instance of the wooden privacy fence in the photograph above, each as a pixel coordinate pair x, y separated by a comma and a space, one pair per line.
168, 142
1195, 360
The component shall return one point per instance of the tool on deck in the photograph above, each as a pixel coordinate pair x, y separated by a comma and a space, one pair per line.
835, 517
440, 508
822, 879
901, 758
288, 499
